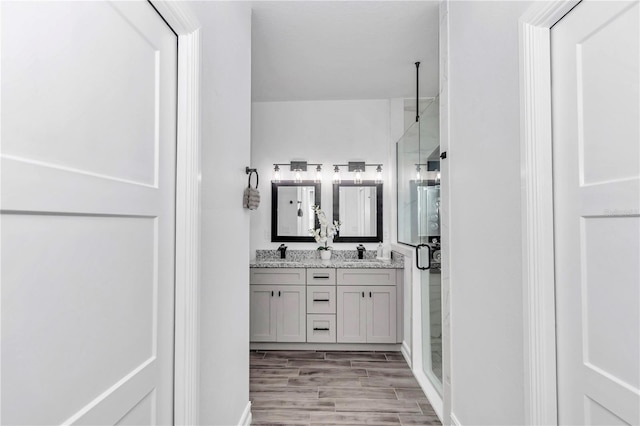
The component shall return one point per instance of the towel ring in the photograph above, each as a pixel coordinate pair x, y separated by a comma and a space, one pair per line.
251, 172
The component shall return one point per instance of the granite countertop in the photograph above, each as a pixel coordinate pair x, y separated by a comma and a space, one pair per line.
310, 259
317, 263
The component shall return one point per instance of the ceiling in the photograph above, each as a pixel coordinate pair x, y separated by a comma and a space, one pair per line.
329, 50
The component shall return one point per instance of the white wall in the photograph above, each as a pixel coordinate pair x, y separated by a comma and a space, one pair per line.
327, 132
226, 118
486, 292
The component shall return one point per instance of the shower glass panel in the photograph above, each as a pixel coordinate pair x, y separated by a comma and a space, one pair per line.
418, 166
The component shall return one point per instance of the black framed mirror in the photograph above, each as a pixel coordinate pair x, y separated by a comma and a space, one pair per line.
292, 210
358, 206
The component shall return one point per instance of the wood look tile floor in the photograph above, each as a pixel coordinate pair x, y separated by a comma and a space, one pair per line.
335, 388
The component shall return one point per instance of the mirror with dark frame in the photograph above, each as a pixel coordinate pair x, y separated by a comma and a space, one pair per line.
292, 210
358, 206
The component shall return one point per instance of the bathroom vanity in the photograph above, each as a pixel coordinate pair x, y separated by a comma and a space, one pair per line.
344, 303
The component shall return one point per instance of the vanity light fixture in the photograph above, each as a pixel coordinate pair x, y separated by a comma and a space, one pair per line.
357, 167
358, 177
429, 174
336, 175
297, 167
378, 174
276, 174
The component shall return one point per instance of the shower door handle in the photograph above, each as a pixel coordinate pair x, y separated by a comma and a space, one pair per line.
418, 248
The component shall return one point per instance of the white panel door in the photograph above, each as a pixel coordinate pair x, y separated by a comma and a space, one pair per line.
292, 315
263, 313
351, 314
87, 199
381, 314
596, 155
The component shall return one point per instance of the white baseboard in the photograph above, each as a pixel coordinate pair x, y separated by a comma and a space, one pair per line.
245, 420
382, 347
406, 352
454, 420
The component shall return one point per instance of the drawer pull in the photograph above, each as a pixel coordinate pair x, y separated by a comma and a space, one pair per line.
363, 294
321, 277
320, 329
320, 300
272, 294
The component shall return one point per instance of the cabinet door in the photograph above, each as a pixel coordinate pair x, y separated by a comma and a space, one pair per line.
262, 312
292, 314
351, 314
381, 314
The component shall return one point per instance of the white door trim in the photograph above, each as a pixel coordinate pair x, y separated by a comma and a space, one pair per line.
537, 210
187, 290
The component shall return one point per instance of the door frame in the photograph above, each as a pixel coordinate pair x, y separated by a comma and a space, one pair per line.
187, 227
187, 255
541, 404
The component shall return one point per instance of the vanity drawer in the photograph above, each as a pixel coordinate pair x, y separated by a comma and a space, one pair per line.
366, 276
321, 276
280, 276
321, 299
321, 328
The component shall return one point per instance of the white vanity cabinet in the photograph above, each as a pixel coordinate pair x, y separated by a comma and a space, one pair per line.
346, 306
366, 313
278, 305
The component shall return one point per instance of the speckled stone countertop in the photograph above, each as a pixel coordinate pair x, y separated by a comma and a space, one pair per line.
311, 259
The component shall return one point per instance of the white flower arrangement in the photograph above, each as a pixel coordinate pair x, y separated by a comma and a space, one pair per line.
326, 231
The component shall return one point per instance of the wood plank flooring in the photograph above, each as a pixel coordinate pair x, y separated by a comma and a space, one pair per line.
335, 388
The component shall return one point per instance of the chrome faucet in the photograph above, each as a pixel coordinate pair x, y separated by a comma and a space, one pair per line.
361, 251
283, 251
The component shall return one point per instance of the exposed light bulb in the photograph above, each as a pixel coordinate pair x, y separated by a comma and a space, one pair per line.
418, 174
336, 175
379, 174
276, 174
438, 176
298, 177
318, 174
358, 177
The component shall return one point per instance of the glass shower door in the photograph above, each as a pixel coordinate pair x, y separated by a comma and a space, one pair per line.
418, 156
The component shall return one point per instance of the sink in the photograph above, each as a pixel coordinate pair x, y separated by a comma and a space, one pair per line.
364, 261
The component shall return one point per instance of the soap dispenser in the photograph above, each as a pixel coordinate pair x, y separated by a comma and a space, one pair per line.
379, 253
